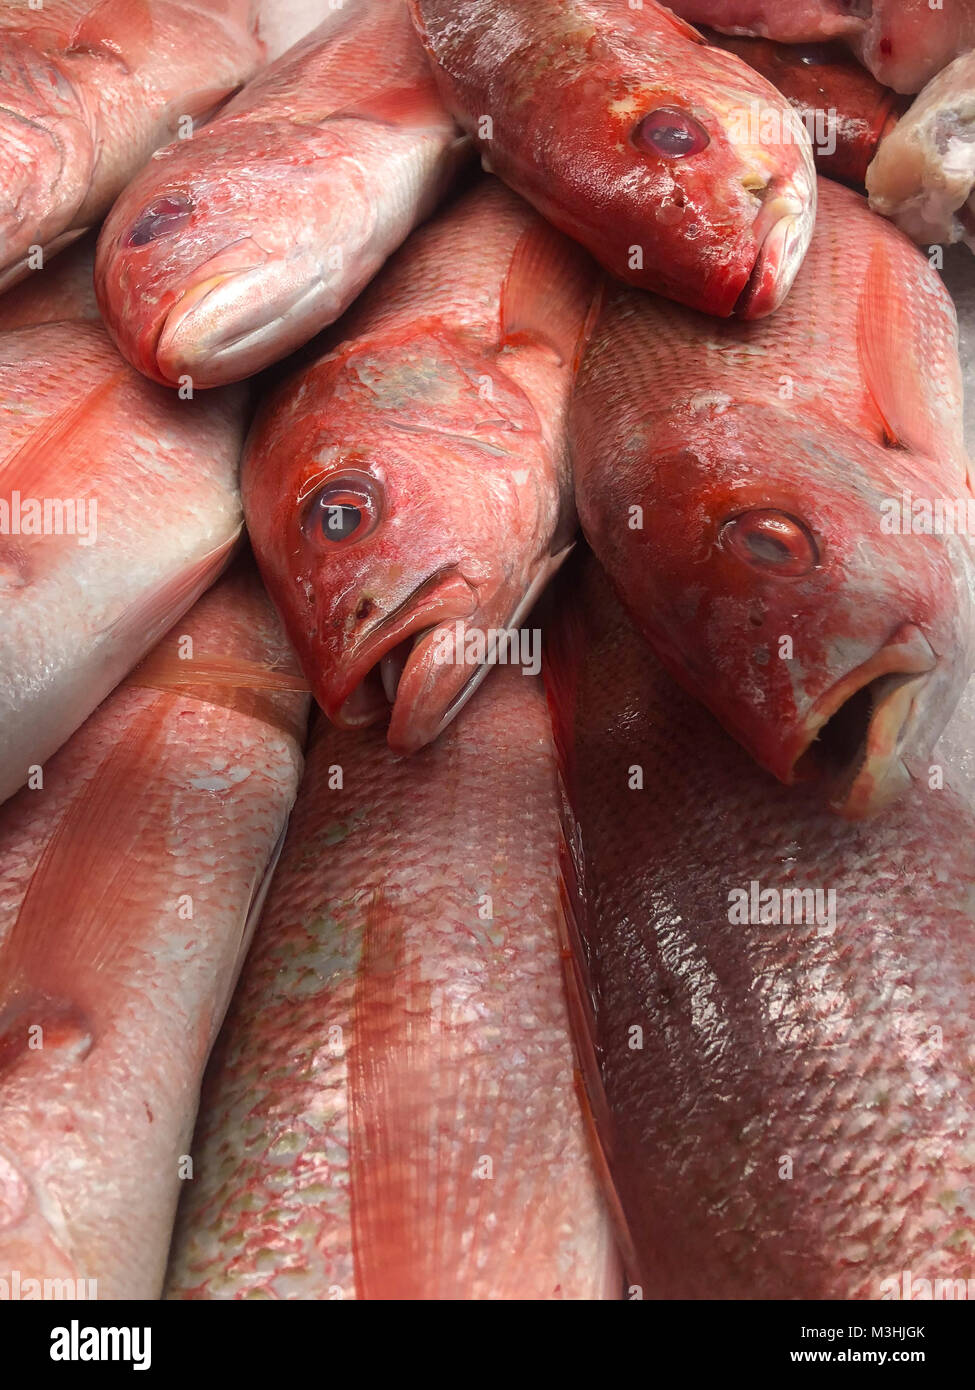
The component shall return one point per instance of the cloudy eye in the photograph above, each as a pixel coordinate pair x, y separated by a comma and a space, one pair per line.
344, 509
671, 132
773, 541
162, 217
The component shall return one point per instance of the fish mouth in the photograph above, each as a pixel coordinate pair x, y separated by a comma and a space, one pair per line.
783, 230
236, 318
853, 739
413, 665
375, 674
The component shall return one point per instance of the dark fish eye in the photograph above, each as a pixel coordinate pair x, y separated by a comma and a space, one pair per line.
772, 541
343, 510
671, 132
163, 216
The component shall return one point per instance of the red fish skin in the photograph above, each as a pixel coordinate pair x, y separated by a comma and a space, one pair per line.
792, 1120
904, 43
703, 424
443, 404
89, 90
326, 153
386, 1039
820, 79
722, 228
61, 290
173, 790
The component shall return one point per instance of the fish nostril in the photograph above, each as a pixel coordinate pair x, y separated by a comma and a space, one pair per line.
366, 606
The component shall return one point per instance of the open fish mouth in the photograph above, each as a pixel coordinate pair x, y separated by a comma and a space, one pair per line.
371, 689
783, 229
854, 738
413, 666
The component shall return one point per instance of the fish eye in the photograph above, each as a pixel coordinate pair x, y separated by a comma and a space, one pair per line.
671, 132
162, 217
343, 510
772, 541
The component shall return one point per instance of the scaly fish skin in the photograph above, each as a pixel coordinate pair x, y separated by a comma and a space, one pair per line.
679, 168
415, 478
233, 248
390, 1111
904, 43
143, 511
785, 1106
768, 559
88, 91
923, 174
128, 887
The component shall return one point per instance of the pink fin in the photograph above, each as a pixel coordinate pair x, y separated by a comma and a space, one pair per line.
547, 292
416, 105
123, 28
145, 621
887, 349
76, 916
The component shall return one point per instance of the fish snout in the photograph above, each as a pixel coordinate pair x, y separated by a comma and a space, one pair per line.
783, 231
856, 738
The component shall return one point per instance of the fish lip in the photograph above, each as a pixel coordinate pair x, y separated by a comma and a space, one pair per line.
891, 682
205, 357
445, 596
783, 230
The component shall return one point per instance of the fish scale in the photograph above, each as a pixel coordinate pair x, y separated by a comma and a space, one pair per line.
792, 1120
400, 1020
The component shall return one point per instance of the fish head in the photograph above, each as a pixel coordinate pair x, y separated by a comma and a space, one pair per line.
211, 264
715, 166
762, 565
401, 512
47, 154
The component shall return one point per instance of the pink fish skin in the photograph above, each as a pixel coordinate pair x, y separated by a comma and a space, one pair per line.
129, 884
785, 1107
923, 174
233, 248
904, 43
143, 513
399, 1033
61, 290
415, 478
88, 89
768, 560
631, 134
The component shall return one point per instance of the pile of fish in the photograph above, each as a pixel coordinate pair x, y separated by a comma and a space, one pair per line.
554, 916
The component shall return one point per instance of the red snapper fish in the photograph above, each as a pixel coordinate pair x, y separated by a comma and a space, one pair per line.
904, 43
129, 885
766, 499
409, 493
778, 1051
680, 168
119, 505
391, 1111
231, 249
88, 89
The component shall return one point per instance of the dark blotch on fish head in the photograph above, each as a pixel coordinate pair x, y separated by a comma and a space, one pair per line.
671, 132
163, 216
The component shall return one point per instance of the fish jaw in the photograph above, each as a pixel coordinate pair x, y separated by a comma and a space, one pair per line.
47, 151
783, 230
